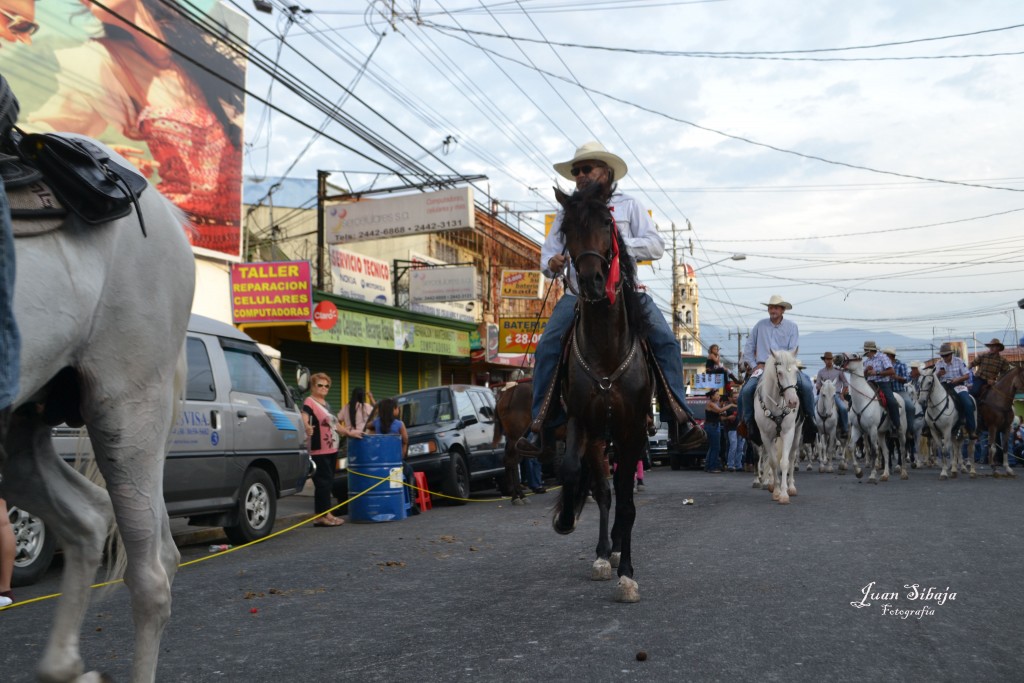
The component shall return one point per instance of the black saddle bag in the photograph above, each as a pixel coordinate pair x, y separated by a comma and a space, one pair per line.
84, 177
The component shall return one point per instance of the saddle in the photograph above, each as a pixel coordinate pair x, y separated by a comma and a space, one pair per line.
51, 173
554, 391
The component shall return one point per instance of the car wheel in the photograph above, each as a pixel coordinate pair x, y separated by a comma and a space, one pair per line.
456, 484
257, 508
35, 547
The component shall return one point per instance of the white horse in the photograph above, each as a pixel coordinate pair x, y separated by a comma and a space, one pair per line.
777, 413
940, 416
868, 419
102, 311
826, 418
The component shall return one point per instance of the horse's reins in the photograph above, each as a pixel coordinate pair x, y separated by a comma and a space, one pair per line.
786, 410
945, 402
872, 397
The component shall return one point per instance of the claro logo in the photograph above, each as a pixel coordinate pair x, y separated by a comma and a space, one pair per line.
325, 315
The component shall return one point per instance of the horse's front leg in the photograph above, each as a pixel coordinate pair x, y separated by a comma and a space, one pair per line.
1007, 445
605, 558
564, 520
512, 479
789, 451
883, 443
625, 515
78, 511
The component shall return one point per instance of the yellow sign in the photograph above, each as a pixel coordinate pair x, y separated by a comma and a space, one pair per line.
519, 335
521, 284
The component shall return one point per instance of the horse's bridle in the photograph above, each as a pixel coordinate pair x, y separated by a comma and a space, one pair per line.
786, 410
605, 261
931, 379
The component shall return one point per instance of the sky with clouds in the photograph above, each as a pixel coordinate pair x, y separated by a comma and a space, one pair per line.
810, 136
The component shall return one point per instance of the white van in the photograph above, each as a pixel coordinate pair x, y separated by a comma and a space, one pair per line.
239, 444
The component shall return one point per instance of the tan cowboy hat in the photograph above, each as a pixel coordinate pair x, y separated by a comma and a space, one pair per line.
916, 364
593, 151
800, 364
777, 300
870, 346
945, 349
889, 351
828, 356
996, 342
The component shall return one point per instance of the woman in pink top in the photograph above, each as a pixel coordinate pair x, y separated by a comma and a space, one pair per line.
323, 447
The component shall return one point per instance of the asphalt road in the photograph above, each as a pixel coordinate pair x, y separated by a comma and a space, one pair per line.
734, 587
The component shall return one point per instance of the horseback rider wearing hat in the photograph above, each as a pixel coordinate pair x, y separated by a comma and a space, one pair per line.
592, 164
952, 371
990, 367
900, 380
878, 368
838, 377
775, 334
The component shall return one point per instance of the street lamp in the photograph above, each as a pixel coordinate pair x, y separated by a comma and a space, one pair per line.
734, 257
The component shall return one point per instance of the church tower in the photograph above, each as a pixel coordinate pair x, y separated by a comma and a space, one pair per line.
685, 311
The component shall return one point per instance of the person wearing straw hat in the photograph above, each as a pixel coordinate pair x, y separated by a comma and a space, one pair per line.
878, 368
952, 371
988, 368
900, 380
593, 164
838, 377
774, 333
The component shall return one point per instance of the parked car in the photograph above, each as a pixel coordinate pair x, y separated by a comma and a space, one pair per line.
450, 430
694, 456
238, 445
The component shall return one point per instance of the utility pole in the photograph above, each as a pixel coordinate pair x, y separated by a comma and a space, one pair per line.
675, 286
321, 196
739, 345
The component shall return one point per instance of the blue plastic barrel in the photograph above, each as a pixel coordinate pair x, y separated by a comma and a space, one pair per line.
370, 459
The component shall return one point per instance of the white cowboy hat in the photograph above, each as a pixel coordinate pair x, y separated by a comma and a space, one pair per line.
593, 151
889, 351
916, 364
777, 300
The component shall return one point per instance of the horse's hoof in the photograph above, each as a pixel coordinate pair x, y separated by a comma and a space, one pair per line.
519, 501
627, 590
904, 476
614, 559
770, 487
953, 474
859, 472
564, 531
1010, 472
756, 484
974, 475
884, 477
943, 477
783, 500
792, 491
777, 495
601, 571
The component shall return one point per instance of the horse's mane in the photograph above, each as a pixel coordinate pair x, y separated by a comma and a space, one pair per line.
583, 203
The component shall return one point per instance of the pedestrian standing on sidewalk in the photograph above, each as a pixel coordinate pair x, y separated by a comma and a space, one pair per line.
713, 427
323, 447
734, 458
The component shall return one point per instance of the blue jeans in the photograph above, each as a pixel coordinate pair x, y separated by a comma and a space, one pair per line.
803, 389
843, 414
714, 432
532, 473
662, 342
10, 340
736, 446
968, 407
890, 402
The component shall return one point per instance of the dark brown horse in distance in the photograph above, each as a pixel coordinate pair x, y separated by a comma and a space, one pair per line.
995, 409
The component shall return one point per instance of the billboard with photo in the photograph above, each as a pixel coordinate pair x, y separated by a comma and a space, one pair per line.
95, 69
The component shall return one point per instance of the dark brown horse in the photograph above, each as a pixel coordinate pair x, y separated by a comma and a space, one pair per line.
608, 386
511, 417
995, 409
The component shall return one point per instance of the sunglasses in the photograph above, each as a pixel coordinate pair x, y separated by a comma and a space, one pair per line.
18, 25
585, 170
321, 385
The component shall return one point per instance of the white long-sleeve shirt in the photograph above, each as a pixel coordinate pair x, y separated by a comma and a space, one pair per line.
635, 226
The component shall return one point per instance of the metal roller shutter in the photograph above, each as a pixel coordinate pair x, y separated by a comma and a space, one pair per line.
318, 358
410, 371
383, 372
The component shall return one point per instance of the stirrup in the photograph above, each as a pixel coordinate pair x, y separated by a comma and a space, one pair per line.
529, 444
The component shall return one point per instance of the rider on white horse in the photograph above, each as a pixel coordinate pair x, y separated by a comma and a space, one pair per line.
952, 371
878, 368
899, 387
775, 334
838, 377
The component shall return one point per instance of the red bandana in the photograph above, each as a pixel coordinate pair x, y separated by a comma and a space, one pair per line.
613, 269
